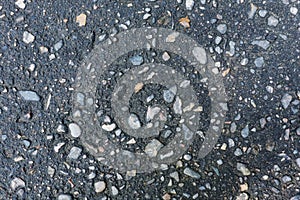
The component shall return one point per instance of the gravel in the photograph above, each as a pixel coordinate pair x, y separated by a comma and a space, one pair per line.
29, 95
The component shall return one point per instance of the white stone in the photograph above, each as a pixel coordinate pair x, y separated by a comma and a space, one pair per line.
189, 4
294, 10
28, 37
20, 4
17, 183
165, 56
109, 127
200, 55
75, 130
100, 186
222, 28
242, 168
272, 21
153, 147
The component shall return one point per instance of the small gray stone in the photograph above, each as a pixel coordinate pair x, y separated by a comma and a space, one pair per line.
74, 130
58, 45
286, 179
297, 197
153, 147
28, 37
259, 62
64, 197
272, 21
175, 176
189, 4
74, 153
286, 100
200, 54
222, 28
134, 122
242, 168
188, 171
51, 171
245, 132
114, 191
168, 95
244, 61
100, 186
17, 183
261, 43
29, 95
238, 152
177, 106
136, 60
262, 13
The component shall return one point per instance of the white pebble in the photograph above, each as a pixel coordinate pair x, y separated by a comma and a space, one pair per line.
294, 10
100, 186
28, 37
74, 130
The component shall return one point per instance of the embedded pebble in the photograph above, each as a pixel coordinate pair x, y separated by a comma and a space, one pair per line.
134, 122
272, 21
259, 62
153, 147
286, 179
74, 153
109, 127
75, 130
100, 186
28, 37
58, 45
286, 100
269, 89
151, 112
51, 171
20, 4
29, 95
238, 152
262, 13
177, 106
188, 171
136, 60
64, 197
245, 132
294, 10
261, 43
175, 176
222, 28
114, 191
169, 95
200, 55
189, 4
298, 162
242, 168
252, 11
17, 183
81, 19
244, 61
166, 56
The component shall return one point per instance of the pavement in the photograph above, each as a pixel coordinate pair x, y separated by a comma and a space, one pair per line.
77, 124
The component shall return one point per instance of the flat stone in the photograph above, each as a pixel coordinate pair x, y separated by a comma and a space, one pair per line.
20, 4
153, 147
189, 172
222, 28
134, 122
286, 100
109, 127
99, 186
136, 60
28, 37
17, 183
58, 45
259, 62
189, 4
64, 197
200, 55
75, 130
81, 19
245, 132
261, 43
272, 21
243, 169
29, 95
74, 153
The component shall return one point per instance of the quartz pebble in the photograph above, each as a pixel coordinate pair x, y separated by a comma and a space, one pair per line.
74, 153
222, 28
243, 169
64, 197
286, 100
114, 191
17, 183
57, 46
20, 4
189, 4
165, 56
29, 95
81, 19
28, 37
245, 132
261, 43
294, 10
153, 147
259, 62
272, 21
136, 60
100, 186
200, 55
188, 171
75, 130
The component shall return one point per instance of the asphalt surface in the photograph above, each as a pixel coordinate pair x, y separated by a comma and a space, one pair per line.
254, 44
